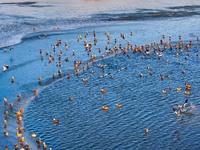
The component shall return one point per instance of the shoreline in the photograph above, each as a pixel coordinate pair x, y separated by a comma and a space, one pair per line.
70, 27
54, 30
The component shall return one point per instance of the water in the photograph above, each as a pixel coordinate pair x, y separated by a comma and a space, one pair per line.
20, 17
82, 123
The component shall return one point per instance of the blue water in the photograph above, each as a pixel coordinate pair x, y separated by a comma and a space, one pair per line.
82, 123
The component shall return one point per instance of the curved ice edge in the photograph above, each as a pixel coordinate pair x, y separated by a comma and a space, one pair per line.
40, 33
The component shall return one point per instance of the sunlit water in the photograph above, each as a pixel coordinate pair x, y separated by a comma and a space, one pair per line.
19, 17
82, 123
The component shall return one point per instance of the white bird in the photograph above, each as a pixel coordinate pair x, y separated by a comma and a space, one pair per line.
5, 67
159, 54
121, 69
180, 109
104, 75
178, 112
102, 66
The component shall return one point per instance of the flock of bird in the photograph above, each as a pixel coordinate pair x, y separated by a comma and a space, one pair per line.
156, 49
21, 144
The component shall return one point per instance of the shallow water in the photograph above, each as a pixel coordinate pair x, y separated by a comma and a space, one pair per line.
83, 125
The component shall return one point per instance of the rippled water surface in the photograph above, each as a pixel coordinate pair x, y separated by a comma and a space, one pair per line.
83, 125
82, 122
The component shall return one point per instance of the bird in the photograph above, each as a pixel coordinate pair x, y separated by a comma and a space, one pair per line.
44, 145
6, 133
19, 118
103, 91
164, 91
121, 69
36, 91
5, 100
119, 105
11, 105
104, 75
39, 78
18, 96
102, 66
18, 113
6, 112
5, 67
22, 140
5, 122
55, 120
19, 134
39, 141
33, 135
71, 98
178, 112
12, 79
105, 108
16, 146
22, 111
20, 129
180, 108
85, 80
54, 75
183, 106
146, 130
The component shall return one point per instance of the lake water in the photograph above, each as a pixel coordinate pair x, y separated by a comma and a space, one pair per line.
82, 123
